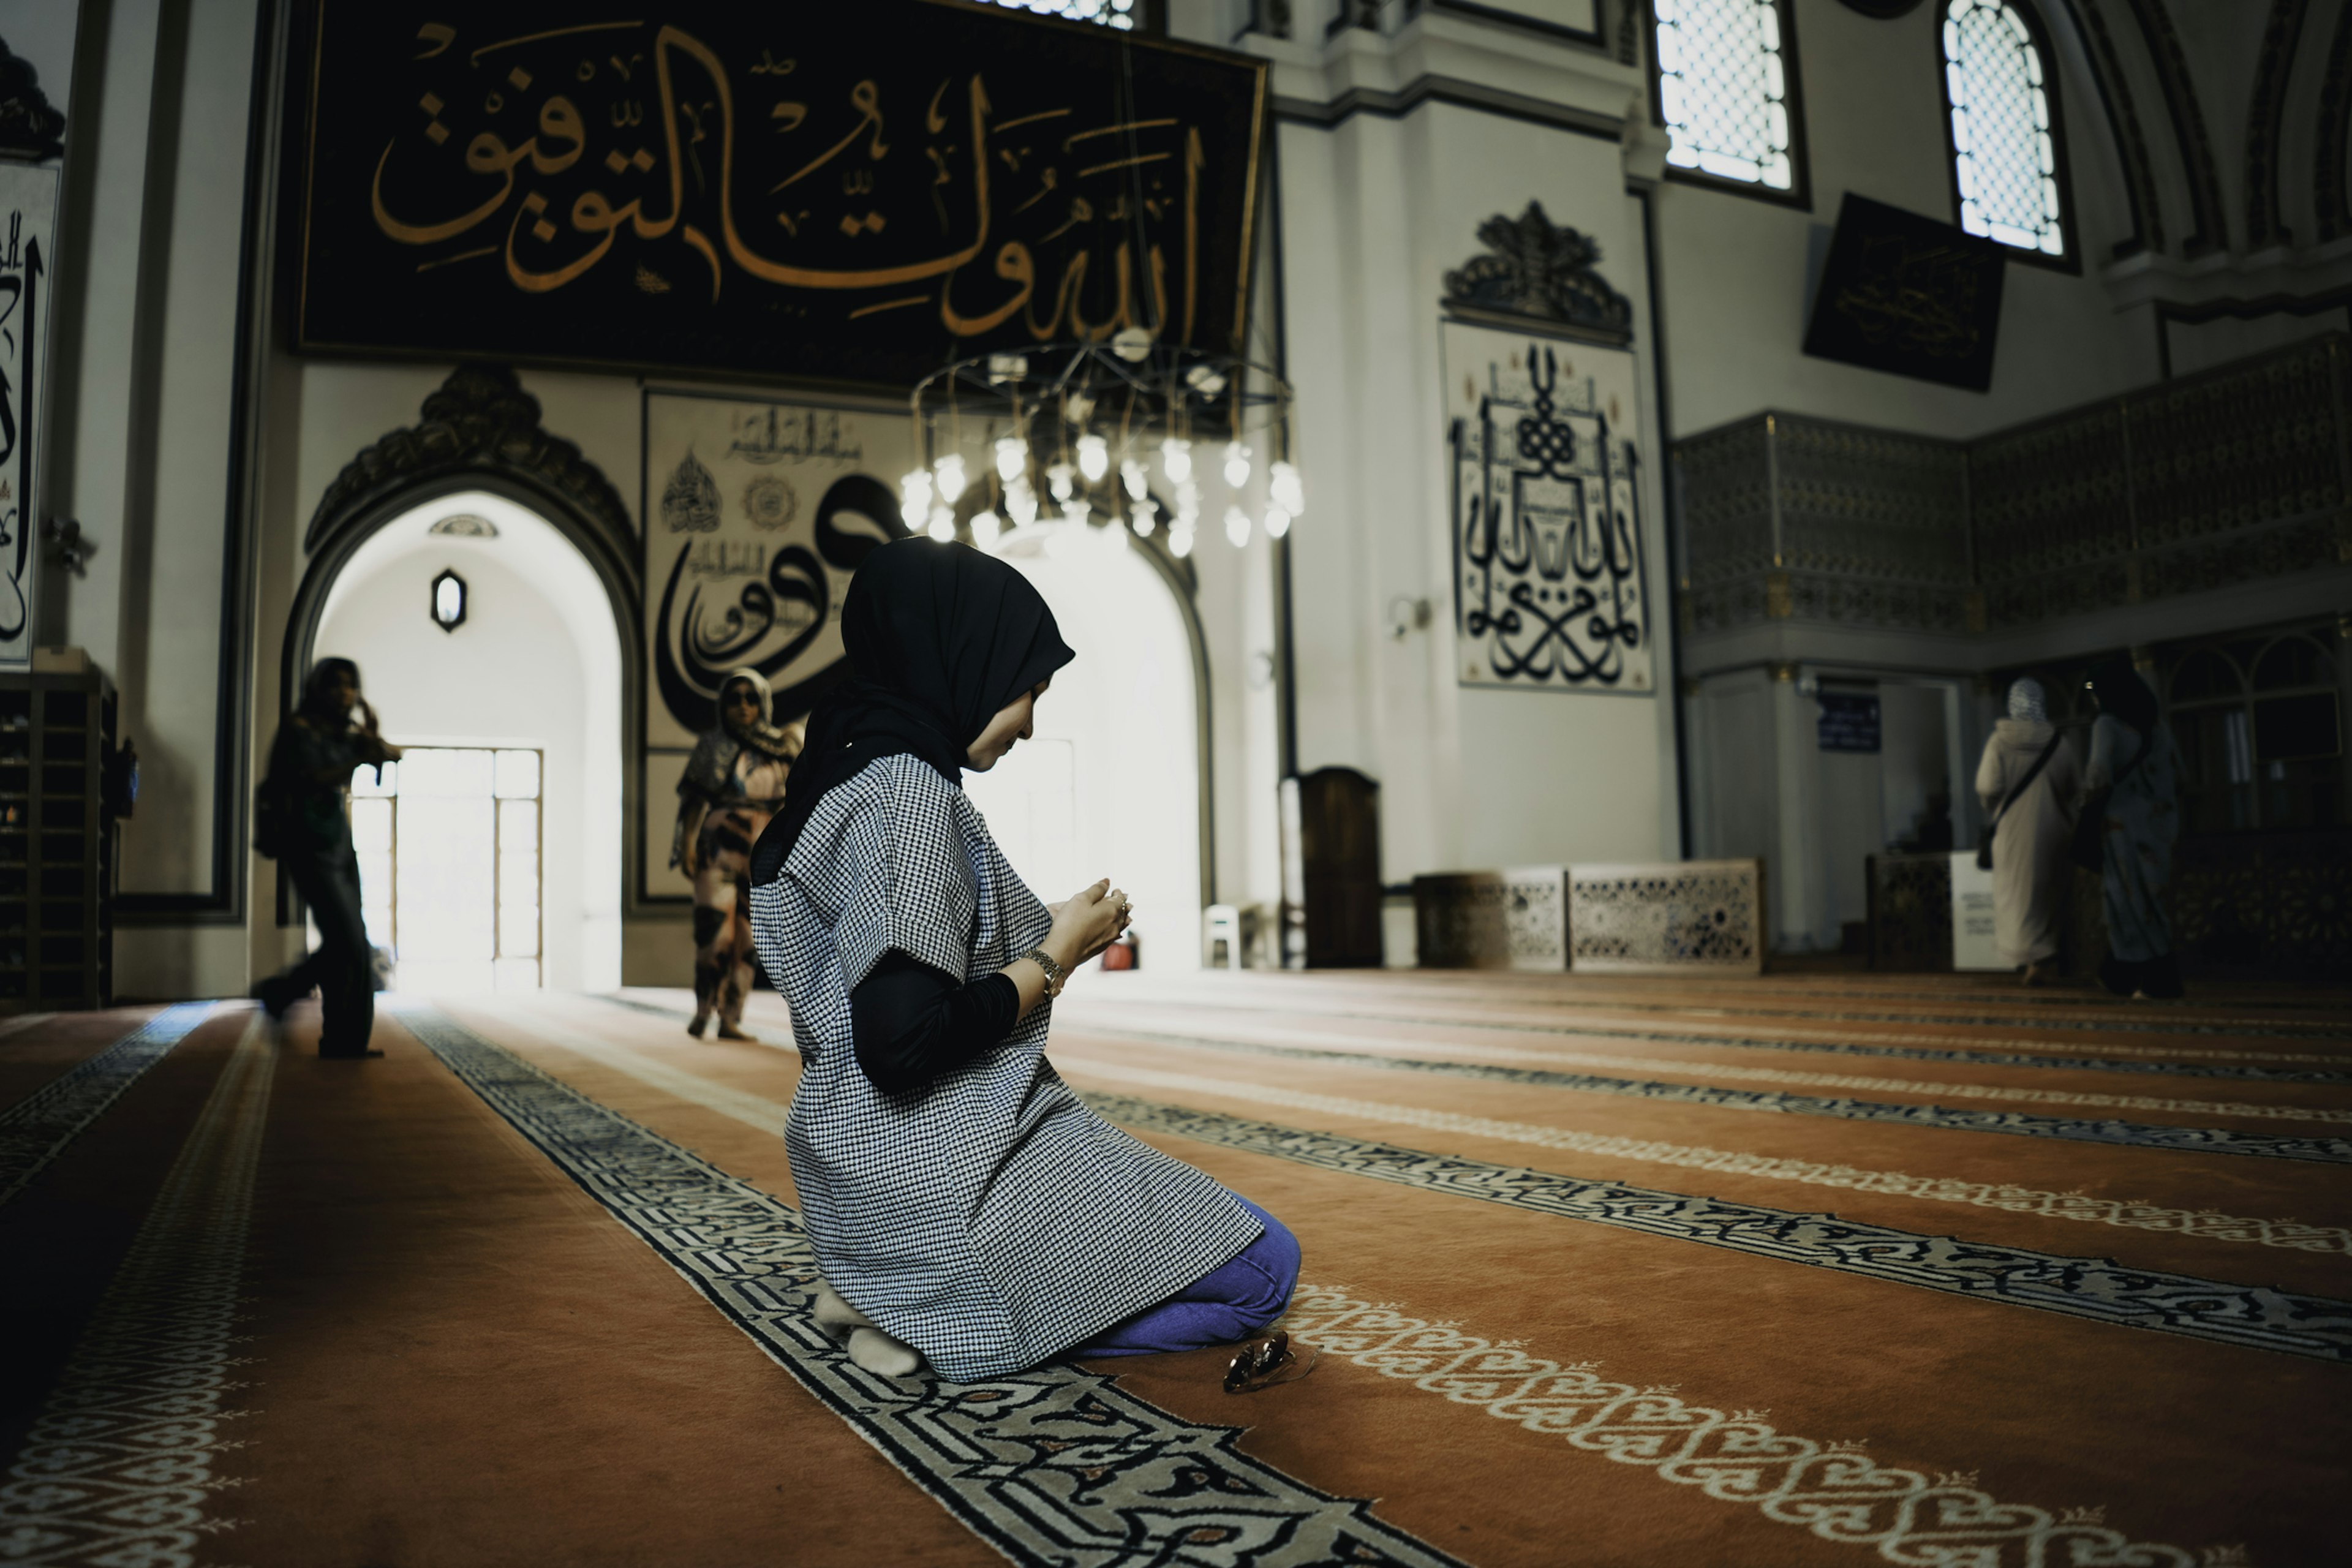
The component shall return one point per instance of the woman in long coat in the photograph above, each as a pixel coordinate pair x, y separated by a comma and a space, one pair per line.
2030, 868
964, 1205
2136, 767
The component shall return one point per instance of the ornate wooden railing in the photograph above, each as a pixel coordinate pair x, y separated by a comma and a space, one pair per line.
2239, 474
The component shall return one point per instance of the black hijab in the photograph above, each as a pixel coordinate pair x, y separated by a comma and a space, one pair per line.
2123, 693
939, 638
318, 690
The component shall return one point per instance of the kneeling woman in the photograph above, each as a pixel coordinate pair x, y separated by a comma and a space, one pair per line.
964, 1202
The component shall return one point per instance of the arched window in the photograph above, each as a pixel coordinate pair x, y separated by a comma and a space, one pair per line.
2003, 104
1727, 92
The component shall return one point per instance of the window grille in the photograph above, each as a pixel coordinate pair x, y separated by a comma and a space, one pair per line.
1724, 86
2003, 127
1126, 15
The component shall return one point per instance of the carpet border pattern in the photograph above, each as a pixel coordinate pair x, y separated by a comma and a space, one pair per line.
2099, 1289
1831, 1489
2203, 1067
2203, 1225
36, 1129
117, 1469
1055, 1468
2020, 1123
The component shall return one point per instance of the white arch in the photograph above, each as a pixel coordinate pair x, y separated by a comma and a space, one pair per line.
538, 662
1110, 786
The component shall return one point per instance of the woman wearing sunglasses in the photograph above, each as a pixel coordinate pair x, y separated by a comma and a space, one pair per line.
966, 1207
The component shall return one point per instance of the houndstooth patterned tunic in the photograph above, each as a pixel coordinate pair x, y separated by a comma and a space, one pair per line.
992, 1221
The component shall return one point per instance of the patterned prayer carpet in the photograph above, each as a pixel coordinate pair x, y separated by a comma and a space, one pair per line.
1823, 1267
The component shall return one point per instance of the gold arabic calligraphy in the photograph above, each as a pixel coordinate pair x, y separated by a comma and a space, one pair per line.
1141, 179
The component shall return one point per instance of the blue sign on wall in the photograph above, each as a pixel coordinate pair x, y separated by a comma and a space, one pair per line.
1849, 722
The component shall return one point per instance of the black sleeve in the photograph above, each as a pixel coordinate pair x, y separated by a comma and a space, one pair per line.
913, 1023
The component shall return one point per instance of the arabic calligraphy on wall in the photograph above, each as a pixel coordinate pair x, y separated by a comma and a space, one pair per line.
28, 205
1906, 294
849, 192
1548, 571
757, 514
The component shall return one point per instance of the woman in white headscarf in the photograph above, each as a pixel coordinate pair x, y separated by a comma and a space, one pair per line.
2031, 783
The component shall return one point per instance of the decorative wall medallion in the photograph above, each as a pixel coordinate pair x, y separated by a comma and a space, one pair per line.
768, 502
1536, 270
465, 525
1546, 545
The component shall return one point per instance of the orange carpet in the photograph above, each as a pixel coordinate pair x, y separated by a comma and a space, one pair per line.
1812, 1269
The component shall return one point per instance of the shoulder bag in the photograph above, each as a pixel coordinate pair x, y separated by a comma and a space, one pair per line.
1984, 846
2089, 848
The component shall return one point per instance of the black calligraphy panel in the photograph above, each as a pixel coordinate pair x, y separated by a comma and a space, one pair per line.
1908, 295
856, 191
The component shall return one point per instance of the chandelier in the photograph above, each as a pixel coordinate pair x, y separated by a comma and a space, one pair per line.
1125, 435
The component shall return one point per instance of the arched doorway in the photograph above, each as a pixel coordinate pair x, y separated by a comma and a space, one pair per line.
542, 677
1114, 781
493, 859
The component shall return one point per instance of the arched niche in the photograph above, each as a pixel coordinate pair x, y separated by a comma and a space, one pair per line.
480, 431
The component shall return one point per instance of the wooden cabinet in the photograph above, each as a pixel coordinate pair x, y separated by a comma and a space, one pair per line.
57, 842
1331, 870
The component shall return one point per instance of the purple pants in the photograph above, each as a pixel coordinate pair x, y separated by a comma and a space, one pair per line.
1229, 1303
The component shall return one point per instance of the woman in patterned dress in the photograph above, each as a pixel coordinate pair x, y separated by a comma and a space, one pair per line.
966, 1207
732, 786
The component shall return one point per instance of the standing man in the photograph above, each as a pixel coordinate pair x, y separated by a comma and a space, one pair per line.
306, 823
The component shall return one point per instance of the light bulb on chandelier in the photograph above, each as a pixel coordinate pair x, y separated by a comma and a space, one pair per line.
915, 497
1021, 503
942, 524
1144, 516
1078, 510
1284, 488
951, 476
1176, 459
1137, 482
1277, 522
1059, 478
1012, 457
1237, 526
1180, 542
1237, 464
985, 526
1094, 457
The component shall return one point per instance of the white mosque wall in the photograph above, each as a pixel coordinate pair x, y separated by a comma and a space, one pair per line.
1374, 212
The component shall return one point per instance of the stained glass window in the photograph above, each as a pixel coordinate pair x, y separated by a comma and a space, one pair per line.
1724, 86
1123, 15
2004, 141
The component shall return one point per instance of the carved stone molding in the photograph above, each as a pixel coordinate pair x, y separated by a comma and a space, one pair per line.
480, 421
29, 126
2265, 119
1539, 271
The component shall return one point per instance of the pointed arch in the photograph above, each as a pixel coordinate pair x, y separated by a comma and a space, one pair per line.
2266, 116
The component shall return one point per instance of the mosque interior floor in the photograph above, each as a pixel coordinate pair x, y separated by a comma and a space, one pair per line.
1811, 1268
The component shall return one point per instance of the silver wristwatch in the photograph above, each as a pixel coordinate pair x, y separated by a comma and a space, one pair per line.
1055, 975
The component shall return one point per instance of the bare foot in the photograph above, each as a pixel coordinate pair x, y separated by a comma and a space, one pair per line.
694, 1025
2034, 974
836, 1316
883, 1357
728, 1031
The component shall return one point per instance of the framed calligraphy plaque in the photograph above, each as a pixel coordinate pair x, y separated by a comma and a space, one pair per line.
28, 206
1908, 295
1549, 584
847, 192
757, 513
